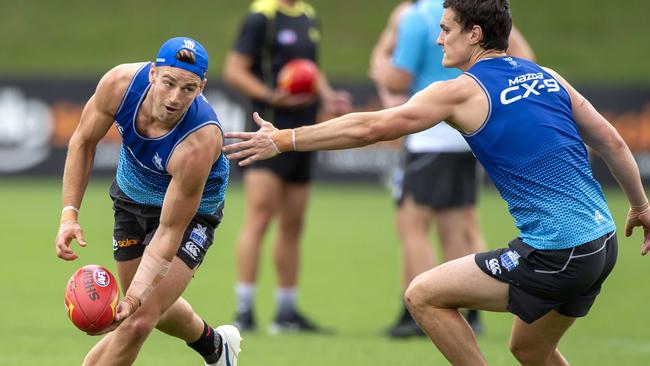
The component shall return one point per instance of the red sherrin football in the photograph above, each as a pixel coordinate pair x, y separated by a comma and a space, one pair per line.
91, 297
298, 76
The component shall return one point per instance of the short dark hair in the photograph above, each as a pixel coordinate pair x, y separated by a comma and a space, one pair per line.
493, 16
185, 56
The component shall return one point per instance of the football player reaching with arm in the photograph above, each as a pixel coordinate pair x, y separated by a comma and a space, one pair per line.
160, 111
527, 127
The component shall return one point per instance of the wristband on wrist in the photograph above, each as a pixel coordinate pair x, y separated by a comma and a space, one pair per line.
293, 139
65, 208
69, 214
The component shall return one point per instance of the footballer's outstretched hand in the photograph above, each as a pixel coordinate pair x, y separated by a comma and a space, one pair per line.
639, 216
68, 231
258, 145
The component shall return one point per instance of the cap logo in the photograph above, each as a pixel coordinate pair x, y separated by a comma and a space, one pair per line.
168, 53
188, 43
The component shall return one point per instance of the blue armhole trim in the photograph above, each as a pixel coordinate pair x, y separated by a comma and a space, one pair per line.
171, 152
126, 93
487, 118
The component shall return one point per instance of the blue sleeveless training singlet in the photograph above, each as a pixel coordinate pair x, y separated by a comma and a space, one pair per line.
530, 146
142, 168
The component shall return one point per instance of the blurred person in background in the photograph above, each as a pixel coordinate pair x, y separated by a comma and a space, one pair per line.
168, 197
438, 183
530, 129
275, 32
382, 53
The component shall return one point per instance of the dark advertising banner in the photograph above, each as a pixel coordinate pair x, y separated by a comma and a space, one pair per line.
37, 118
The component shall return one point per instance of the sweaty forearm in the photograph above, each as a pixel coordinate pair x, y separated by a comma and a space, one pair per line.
345, 132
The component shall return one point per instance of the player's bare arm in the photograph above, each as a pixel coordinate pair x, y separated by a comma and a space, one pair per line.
189, 167
518, 46
440, 101
334, 102
96, 119
237, 74
603, 138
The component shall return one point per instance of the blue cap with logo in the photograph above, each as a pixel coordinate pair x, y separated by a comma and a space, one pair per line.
167, 55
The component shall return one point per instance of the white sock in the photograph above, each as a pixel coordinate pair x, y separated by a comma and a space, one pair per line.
286, 299
245, 293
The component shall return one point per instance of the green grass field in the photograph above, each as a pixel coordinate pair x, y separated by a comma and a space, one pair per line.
350, 281
587, 41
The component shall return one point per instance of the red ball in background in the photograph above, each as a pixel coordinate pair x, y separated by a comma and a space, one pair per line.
91, 297
299, 76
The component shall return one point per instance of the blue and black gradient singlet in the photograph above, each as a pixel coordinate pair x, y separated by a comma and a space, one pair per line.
142, 168
531, 148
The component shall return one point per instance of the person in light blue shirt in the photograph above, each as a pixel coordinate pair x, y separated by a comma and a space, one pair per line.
529, 128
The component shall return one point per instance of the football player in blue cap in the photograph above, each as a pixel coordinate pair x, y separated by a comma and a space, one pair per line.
168, 197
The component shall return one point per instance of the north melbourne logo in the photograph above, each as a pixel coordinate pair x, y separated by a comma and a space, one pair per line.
510, 260
198, 235
189, 44
157, 160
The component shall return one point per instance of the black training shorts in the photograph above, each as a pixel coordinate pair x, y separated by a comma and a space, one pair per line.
440, 180
135, 225
565, 280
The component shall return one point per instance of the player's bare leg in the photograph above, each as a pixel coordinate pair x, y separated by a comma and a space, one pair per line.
263, 190
433, 298
460, 234
413, 223
458, 240
286, 253
121, 346
536, 344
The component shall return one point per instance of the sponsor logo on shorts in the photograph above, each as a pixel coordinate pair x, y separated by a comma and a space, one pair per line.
124, 243
192, 250
101, 278
510, 260
493, 266
198, 235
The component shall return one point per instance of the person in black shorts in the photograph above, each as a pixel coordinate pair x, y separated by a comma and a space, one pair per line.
273, 33
439, 185
530, 130
168, 198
